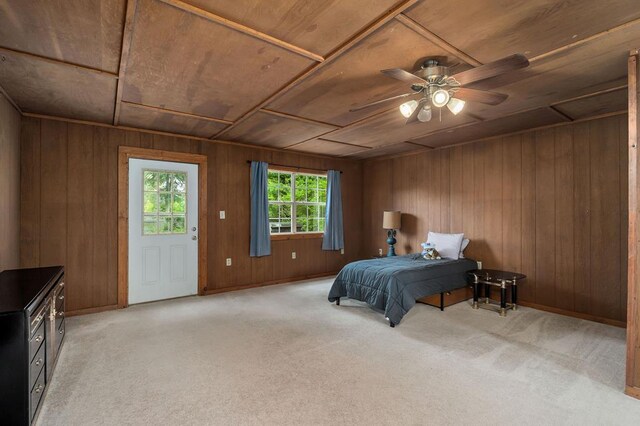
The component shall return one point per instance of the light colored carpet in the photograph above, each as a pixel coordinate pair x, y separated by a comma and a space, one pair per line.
283, 355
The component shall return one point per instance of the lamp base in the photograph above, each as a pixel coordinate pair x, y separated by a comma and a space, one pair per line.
391, 240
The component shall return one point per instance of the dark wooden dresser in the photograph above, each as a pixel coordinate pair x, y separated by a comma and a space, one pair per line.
31, 334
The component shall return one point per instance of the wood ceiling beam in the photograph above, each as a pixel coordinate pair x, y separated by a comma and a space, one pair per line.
242, 28
127, 35
297, 118
589, 95
441, 43
8, 51
174, 112
584, 40
11, 101
333, 55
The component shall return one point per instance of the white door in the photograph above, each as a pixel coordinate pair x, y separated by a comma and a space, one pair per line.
163, 230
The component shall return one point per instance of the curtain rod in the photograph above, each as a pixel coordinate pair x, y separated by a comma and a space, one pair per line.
295, 167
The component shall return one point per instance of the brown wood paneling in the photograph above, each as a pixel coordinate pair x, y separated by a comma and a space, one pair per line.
528, 203
85, 32
354, 79
57, 89
277, 131
53, 184
595, 105
393, 149
323, 146
582, 216
9, 185
389, 127
210, 70
136, 116
71, 216
318, 26
632, 378
30, 200
484, 129
489, 31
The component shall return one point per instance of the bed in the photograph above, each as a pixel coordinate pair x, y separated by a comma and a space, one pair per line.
392, 284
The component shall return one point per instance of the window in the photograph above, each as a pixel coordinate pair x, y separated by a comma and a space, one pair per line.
297, 202
164, 202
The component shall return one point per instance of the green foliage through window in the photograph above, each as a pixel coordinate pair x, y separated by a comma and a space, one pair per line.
297, 202
164, 202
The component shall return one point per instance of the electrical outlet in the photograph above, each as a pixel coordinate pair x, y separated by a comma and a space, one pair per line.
293, 254
228, 261
380, 252
341, 251
479, 264
222, 214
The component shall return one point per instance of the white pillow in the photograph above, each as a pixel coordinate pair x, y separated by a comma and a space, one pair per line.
448, 245
465, 243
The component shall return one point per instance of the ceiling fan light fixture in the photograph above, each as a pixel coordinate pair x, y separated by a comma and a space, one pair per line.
440, 98
407, 108
455, 105
425, 114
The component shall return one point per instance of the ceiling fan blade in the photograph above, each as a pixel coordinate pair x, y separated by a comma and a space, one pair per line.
482, 96
492, 69
402, 75
414, 116
381, 101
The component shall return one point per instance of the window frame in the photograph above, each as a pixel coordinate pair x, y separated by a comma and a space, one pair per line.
293, 203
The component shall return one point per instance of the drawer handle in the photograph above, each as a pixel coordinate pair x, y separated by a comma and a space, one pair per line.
60, 314
38, 338
38, 389
61, 284
38, 362
61, 297
61, 331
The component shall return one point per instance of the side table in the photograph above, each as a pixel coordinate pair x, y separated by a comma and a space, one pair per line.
495, 278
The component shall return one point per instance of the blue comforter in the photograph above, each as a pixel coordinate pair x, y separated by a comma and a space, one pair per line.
393, 284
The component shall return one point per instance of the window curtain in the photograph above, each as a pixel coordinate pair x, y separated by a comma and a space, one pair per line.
260, 233
333, 233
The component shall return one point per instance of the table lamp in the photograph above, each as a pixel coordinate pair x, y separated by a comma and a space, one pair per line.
391, 222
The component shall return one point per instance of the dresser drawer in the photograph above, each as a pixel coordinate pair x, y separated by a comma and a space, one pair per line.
36, 394
37, 318
36, 341
37, 364
59, 297
60, 336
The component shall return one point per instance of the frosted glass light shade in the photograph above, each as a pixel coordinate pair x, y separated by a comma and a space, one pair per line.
455, 105
407, 108
391, 220
425, 114
440, 98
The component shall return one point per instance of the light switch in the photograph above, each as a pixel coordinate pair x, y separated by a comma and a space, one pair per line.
341, 251
228, 261
222, 215
293, 254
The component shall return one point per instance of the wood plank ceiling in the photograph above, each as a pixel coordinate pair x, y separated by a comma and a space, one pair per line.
285, 73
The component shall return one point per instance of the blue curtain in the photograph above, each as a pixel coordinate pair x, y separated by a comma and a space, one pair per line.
333, 232
260, 233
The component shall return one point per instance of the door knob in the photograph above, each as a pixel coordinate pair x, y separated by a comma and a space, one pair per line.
194, 238
193, 229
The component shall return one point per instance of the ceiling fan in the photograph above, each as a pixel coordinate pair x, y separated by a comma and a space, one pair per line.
438, 89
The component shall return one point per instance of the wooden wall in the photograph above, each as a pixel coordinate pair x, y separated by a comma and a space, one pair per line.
69, 209
549, 203
9, 185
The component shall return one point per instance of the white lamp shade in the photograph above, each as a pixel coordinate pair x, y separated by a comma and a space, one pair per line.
455, 105
407, 108
391, 220
440, 98
425, 114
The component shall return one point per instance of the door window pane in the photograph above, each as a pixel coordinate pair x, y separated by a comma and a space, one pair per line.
164, 202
